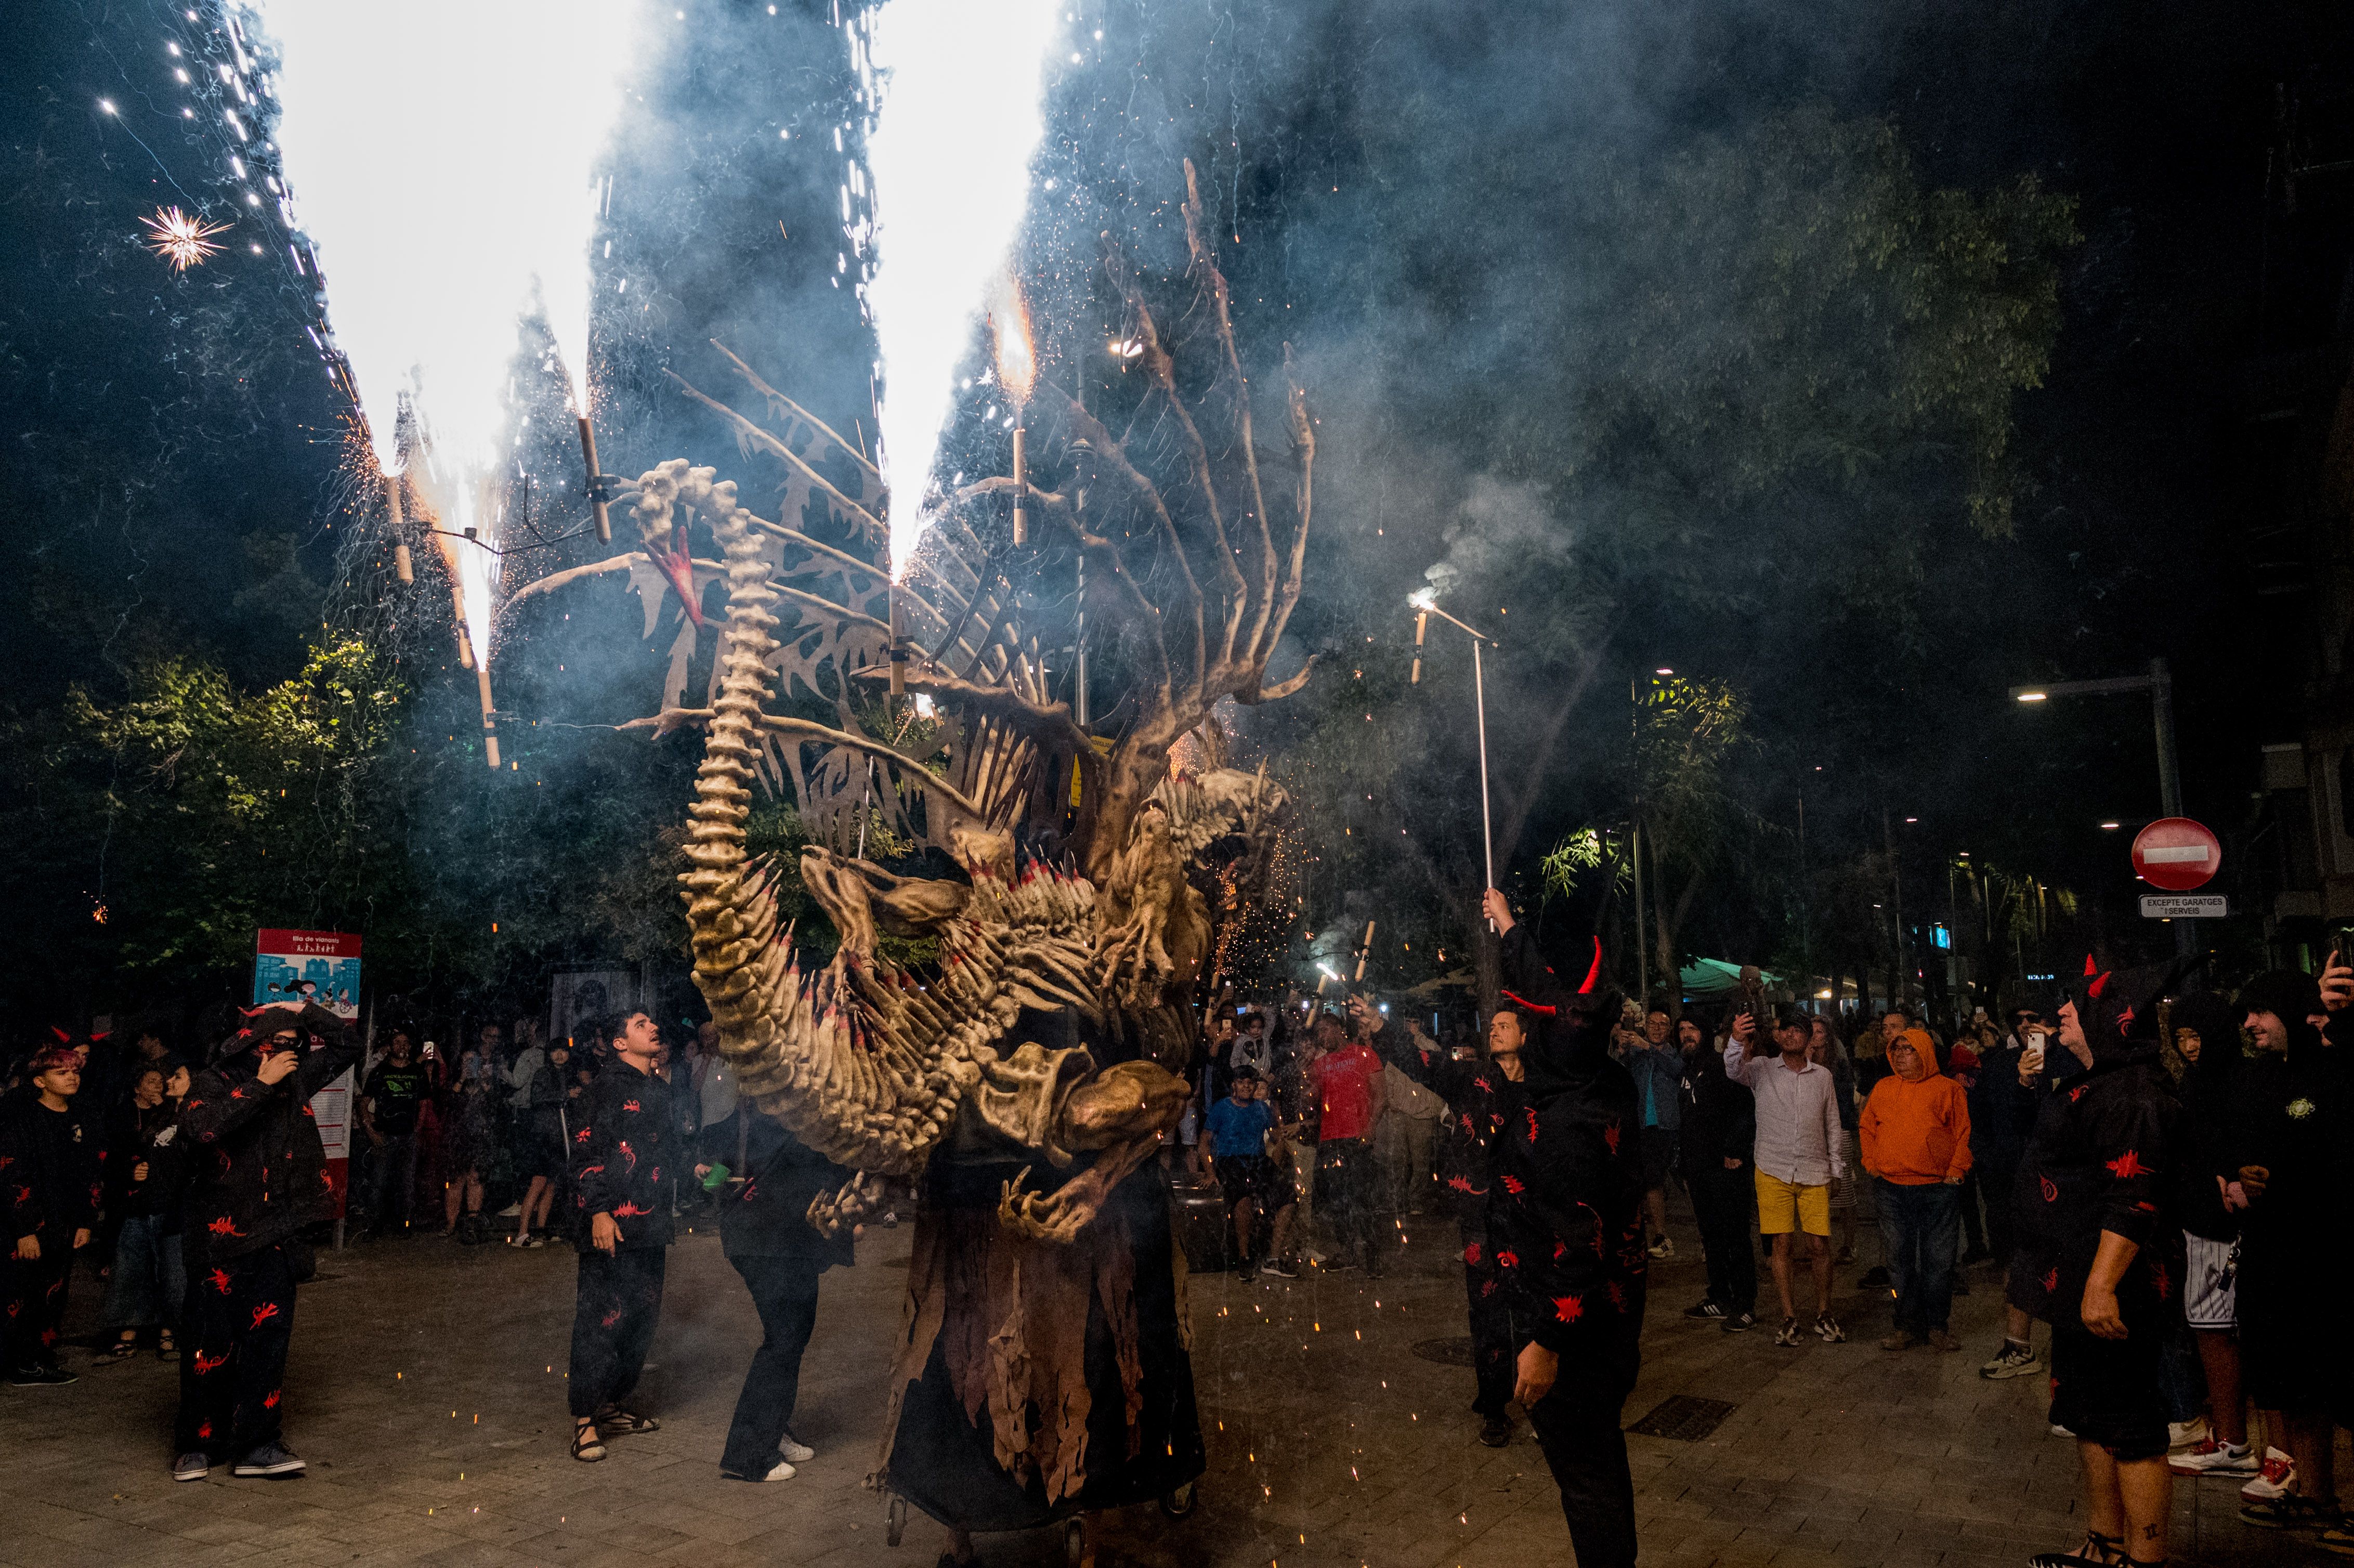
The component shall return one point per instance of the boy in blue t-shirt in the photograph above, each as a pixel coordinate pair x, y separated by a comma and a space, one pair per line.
1239, 1126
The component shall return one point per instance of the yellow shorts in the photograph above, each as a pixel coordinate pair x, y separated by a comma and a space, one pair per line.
1788, 1206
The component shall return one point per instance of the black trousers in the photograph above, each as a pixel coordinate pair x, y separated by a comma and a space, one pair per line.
1578, 1428
1996, 1176
1347, 1196
1974, 1233
236, 1325
784, 1291
1493, 1350
615, 1307
36, 1302
1721, 1202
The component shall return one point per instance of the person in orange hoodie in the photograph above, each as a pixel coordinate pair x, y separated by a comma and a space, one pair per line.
1915, 1138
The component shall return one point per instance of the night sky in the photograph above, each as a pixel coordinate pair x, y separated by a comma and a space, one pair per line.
175, 451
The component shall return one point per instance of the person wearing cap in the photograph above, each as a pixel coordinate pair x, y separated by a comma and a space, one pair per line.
2289, 1185
49, 1177
259, 1180
2097, 1213
1915, 1133
1798, 1156
2206, 1033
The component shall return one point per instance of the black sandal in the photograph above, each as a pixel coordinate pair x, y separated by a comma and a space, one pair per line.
2100, 1551
615, 1421
587, 1446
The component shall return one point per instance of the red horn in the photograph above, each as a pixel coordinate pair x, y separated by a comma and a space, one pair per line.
1594, 973
2091, 969
63, 1038
2097, 987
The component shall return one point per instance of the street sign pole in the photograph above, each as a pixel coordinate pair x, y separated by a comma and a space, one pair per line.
2170, 778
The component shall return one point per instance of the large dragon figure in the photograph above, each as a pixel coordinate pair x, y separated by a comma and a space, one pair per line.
1046, 1043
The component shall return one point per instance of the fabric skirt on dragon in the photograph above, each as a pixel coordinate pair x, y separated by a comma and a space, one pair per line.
1035, 1379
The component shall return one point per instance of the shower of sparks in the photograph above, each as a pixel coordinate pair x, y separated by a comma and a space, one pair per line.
182, 240
444, 167
961, 110
1017, 354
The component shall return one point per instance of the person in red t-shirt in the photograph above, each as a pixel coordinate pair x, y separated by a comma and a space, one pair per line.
1346, 1075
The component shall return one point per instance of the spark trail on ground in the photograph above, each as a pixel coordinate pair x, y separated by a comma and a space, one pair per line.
441, 155
959, 86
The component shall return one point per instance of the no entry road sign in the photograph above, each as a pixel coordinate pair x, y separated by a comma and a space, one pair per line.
2177, 854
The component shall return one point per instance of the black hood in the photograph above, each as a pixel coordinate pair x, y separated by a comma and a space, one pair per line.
1570, 1008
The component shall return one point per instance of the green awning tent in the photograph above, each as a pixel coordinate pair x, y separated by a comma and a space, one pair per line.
1704, 979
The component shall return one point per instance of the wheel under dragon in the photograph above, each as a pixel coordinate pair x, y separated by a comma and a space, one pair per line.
1021, 1080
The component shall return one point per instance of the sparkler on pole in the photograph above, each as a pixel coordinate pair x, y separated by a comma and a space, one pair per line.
1365, 950
1426, 604
898, 646
402, 567
600, 492
1017, 372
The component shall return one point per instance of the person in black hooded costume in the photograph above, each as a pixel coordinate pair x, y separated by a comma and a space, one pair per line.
2095, 1207
1565, 1223
258, 1180
2290, 1156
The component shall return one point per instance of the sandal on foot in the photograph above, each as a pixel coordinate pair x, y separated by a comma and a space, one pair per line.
120, 1351
587, 1446
2098, 1551
615, 1421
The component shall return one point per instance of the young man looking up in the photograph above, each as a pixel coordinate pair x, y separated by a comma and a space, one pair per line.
49, 1173
1797, 1157
1658, 1067
622, 1141
1238, 1128
1915, 1133
259, 1180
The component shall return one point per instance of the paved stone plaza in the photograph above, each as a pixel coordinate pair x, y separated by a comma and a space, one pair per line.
426, 1391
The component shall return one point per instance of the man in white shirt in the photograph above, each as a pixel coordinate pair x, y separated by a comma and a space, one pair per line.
1797, 1159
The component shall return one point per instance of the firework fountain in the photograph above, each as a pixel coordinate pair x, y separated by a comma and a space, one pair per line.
442, 161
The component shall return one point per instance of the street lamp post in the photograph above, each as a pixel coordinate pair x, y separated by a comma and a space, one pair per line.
2159, 685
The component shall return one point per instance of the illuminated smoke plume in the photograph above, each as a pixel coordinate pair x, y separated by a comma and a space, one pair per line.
441, 155
960, 112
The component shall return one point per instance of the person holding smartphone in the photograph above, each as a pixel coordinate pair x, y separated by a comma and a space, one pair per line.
2100, 1217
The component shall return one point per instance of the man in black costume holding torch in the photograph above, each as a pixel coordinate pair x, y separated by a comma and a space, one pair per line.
1564, 1225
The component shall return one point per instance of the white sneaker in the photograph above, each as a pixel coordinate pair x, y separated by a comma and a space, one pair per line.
2275, 1477
799, 1453
511, 1211
2181, 1435
2213, 1458
2059, 1431
779, 1471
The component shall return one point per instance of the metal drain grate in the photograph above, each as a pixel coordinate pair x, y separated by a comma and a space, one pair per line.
1684, 1418
1446, 1352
